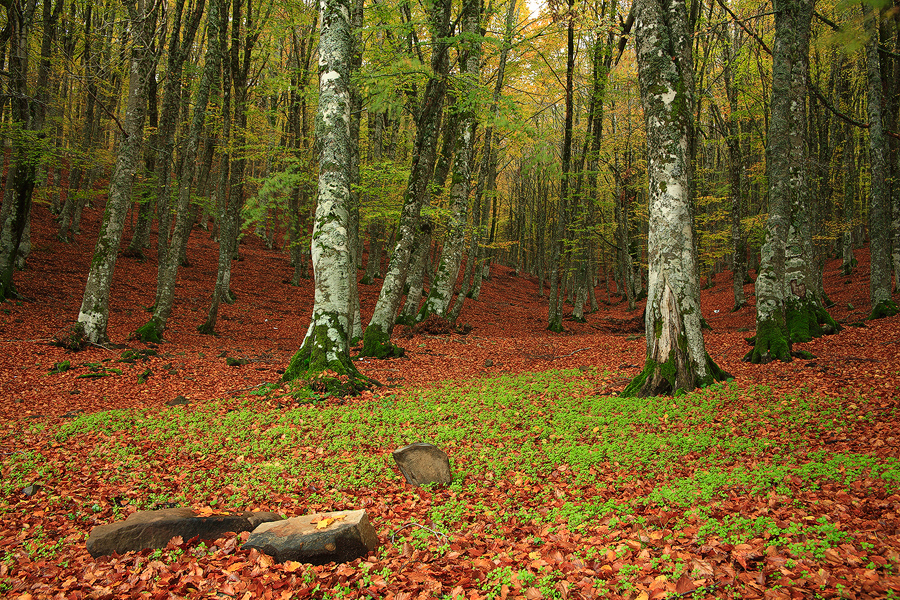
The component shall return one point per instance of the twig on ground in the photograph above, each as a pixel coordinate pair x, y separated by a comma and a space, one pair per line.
101, 346
420, 526
571, 353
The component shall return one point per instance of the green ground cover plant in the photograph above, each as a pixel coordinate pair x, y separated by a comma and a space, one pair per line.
621, 487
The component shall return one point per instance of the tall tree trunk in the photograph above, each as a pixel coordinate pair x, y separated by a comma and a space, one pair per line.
441, 292
376, 340
879, 188
355, 330
736, 175
325, 347
554, 302
178, 50
94, 313
21, 175
153, 330
787, 307
676, 354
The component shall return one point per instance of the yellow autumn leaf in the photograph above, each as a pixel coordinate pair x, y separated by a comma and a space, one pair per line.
534, 555
291, 566
208, 512
324, 523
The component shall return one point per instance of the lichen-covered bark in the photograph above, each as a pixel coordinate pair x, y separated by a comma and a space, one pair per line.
677, 360
786, 170
94, 312
737, 177
441, 292
417, 188
324, 356
879, 188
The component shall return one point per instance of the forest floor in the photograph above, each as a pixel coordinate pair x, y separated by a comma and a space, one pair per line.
782, 483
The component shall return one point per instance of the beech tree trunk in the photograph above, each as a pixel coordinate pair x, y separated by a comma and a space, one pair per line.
879, 188
94, 313
325, 347
376, 340
22, 171
441, 291
168, 269
788, 309
676, 354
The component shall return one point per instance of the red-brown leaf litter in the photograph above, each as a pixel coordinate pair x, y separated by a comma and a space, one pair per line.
508, 335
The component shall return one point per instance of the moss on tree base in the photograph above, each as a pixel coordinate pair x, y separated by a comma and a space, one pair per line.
769, 344
806, 319
885, 308
377, 344
71, 338
667, 379
322, 368
151, 332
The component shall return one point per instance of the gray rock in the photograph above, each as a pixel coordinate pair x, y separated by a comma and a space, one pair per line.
348, 537
178, 401
423, 463
31, 490
154, 529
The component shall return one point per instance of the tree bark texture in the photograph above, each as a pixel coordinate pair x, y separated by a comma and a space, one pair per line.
677, 360
94, 313
787, 174
325, 347
376, 339
879, 187
168, 268
441, 291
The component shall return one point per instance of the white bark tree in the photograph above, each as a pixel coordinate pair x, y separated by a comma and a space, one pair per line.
788, 304
323, 361
441, 292
879, 192
94, 314
676, 355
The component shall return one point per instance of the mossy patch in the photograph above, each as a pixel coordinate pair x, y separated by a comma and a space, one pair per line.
59, 367
71, 338
806, 319
150, 332
132, 356
770, 343
885, 308
664, 379
377, 344
322, 367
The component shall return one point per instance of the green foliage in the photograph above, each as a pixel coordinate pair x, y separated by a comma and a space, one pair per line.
150, 332
59, 367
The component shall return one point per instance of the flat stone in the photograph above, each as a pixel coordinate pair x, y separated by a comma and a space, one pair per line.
154, 529
178, 401
346, 535
31, 490
423, 463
